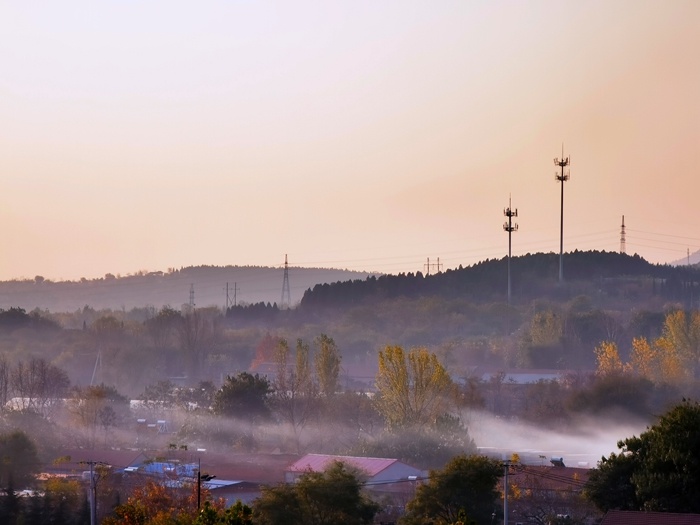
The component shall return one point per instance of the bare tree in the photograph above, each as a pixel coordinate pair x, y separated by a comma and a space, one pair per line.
94, 407
4, 382
197, 333
39, 385
163, 327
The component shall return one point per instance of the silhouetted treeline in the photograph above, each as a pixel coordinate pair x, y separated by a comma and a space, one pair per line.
14, 318
533, 276
253, 313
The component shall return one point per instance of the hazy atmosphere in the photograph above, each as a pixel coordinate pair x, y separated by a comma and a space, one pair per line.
360, 135
256, 263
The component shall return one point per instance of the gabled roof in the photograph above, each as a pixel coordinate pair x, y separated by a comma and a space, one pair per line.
629, 517
319, 462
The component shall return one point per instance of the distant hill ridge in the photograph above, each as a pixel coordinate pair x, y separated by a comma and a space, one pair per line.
534, 276
246, 284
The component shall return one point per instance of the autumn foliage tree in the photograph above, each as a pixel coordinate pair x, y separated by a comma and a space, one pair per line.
414, 389
327, 365
157, 504
672, 358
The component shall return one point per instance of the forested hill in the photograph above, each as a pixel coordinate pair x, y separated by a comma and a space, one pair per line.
533, 276
246, 285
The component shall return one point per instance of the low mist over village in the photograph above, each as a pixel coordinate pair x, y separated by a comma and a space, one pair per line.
421, 391
349, 263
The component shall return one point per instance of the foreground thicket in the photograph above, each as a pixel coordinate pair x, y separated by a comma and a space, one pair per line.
657, 471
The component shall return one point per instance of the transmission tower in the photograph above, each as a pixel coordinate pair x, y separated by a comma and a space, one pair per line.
510, 228
231, 302
191, 303
286, 296
561, 177
427, 266
623, 248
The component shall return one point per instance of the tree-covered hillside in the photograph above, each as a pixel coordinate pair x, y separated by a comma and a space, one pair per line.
609, 275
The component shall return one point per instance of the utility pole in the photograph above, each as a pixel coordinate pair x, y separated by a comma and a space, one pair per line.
506, 466
510, 228
286, 296
92, 490
200, 477
623, 247
561, 177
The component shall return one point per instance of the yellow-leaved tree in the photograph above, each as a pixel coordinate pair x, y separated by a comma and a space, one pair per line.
414, 388
608, 359
682, 333
644, 359
675, 365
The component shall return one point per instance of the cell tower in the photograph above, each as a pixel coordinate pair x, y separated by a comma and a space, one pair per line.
510, 228
286, 296
623, 248
561, 177
191, 303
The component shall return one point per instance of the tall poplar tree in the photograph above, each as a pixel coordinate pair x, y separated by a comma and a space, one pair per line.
414, 389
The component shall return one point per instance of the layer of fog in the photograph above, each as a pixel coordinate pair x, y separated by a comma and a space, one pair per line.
582, 444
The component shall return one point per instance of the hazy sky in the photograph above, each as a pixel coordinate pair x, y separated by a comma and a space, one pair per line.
142, 135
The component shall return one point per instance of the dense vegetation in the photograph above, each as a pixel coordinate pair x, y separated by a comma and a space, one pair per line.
388, 366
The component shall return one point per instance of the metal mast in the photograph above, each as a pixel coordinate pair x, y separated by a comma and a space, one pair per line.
231, 302
510, 228
286, 296
623, 248
561, 177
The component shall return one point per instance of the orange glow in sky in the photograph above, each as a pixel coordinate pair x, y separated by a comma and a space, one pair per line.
362, 135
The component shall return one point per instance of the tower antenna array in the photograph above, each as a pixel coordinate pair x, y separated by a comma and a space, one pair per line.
510, 228
562, 177
623, 248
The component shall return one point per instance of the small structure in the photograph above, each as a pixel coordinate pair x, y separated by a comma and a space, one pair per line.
233, 490
388, 479
378, 470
